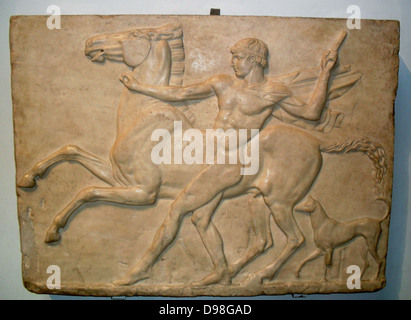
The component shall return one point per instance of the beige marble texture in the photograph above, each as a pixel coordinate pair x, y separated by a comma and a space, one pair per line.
87, 98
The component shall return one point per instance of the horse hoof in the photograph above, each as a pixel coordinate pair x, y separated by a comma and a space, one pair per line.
52, 236
26, 182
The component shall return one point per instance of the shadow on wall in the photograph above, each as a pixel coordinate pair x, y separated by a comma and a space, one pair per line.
400, 201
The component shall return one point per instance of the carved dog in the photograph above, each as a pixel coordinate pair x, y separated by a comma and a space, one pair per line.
329, 234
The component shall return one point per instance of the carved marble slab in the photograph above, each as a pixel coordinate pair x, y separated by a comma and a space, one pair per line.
124, 188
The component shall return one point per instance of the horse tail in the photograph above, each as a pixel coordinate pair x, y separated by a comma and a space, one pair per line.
378, 157
369, 147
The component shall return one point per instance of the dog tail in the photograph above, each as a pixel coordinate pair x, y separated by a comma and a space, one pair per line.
369, 147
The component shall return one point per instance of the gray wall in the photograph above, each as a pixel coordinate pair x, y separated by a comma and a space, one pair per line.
399, 251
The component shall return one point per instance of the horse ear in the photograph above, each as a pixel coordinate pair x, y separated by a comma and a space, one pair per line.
166, 36
135, 51
160, 36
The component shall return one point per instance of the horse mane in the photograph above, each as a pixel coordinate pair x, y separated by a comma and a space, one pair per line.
173, 33
177, 55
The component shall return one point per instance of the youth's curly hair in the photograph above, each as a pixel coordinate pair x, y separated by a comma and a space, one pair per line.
254, 49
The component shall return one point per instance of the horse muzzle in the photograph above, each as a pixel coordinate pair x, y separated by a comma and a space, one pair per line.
96, 55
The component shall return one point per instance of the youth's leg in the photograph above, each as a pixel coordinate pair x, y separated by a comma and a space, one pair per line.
213, 242
204, 188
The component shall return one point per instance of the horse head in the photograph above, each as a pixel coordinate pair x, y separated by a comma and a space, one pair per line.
128, 47
150, 49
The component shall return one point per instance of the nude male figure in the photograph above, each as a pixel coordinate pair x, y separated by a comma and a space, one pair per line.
245, 102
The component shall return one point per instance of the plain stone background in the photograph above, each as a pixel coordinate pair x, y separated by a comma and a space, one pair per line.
399, 250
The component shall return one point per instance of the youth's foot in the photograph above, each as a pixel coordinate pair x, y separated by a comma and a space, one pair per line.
217, 277
253, 279
253, 252
131, 278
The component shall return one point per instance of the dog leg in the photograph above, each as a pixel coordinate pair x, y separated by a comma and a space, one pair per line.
327, 262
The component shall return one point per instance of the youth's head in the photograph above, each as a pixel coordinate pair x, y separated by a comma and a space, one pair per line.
254, 50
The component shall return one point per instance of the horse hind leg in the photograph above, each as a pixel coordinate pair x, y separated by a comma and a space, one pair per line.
260, 235
283, 217
260, 222
136, 195
311, 257
100, 168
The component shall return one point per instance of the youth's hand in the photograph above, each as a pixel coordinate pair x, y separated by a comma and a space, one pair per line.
129, 81
329, 60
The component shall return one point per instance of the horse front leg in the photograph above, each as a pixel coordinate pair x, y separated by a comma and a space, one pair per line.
100, 168
136, 195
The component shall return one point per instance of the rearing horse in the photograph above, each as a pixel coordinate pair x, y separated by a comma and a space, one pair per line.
290, 158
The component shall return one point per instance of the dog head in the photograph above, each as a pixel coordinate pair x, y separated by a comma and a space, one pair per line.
307, 206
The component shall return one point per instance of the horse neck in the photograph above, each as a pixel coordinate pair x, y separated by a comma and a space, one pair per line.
156, 68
